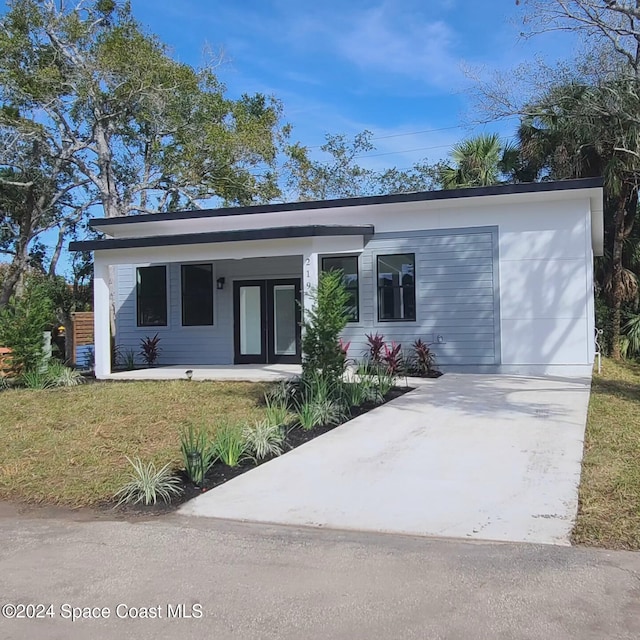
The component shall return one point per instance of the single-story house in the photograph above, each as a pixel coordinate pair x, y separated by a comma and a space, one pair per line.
498, 279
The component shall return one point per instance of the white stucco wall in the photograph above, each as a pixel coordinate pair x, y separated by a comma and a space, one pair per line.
545, 261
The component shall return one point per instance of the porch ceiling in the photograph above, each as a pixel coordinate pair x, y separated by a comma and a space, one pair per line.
272, 233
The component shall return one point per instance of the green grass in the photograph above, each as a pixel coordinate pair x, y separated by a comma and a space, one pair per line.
68, 446
609, 512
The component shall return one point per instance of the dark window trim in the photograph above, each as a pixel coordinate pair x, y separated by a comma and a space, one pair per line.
182, 296
356, 288
378, 287
166, 296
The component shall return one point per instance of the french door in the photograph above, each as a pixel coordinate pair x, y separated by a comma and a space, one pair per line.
266, 321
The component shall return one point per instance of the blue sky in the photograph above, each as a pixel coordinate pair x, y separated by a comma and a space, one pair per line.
392, 67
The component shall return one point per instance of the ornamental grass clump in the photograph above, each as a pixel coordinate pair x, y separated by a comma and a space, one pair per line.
229, 445
149, 484
197, 453
263, 440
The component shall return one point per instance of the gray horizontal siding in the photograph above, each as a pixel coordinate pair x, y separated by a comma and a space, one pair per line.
195, 345
456, 295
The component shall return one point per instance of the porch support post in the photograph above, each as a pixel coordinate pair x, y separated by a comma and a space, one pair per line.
309, 278
101, 320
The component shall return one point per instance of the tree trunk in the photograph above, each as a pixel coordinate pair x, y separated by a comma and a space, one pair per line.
616, 295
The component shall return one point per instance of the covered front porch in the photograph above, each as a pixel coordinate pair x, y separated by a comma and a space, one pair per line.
255, 289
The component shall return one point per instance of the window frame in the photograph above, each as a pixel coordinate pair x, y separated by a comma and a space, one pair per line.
355, 289
182, 294
166, 296
414, 287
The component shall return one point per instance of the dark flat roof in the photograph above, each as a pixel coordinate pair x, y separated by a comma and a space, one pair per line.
445, 194
273, 233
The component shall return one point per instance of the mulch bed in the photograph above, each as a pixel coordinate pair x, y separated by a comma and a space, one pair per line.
221, 473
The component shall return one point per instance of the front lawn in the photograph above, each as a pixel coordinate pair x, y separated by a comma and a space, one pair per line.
609, 512
68, 446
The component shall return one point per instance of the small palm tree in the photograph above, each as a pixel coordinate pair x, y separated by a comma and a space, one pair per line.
479, 162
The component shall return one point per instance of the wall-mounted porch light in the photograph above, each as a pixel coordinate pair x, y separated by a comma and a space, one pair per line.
220, 284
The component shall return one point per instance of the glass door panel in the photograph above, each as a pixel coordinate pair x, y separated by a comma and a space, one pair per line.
250, 320
284, 319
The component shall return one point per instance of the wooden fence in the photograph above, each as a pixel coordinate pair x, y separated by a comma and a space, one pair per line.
81, 334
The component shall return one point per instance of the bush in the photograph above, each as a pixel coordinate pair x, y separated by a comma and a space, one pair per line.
322, 326
263, 439
22, 323
150, 349
148, 484
197, 453
422, 360
229, 445
277, 411
60, 375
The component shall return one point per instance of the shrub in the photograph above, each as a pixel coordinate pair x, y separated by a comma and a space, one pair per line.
282, 392
307, 415
148, 484
322, 326
197, 453
392, 359
22, 323
375, 346
129, 359
35, 379
328, 412
276, 411
150, 349
422, 360
60, 375
229, 445
384, 381
263, 439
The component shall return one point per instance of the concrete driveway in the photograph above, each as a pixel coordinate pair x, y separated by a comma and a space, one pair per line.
471, 456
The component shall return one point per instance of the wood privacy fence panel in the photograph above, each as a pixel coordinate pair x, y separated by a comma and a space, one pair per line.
82, 331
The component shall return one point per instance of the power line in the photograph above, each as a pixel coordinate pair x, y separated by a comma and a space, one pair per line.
389, 153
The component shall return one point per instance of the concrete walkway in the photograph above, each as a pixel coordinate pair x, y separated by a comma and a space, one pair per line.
236, 372
472, 456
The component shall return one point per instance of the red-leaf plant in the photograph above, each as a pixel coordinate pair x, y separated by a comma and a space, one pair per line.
392, 358
149, 349
376, 345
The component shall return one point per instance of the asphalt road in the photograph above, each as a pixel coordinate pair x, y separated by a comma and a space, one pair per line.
259, 581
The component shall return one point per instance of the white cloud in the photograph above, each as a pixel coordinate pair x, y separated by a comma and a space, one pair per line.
402, 43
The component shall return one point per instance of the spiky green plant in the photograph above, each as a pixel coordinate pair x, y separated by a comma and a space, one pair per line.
60, 375
197, 453
276, 411
307, 415
148, 484
35, 380
229, 445
263, 439
329, 412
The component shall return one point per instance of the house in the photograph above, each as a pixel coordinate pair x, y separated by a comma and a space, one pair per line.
499, 279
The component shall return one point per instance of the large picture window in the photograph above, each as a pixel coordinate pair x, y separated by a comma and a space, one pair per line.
349, 267
197, 295
396, 287
151, 295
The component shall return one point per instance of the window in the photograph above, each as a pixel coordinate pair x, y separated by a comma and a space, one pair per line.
349, 267
197, 295
396, 287
151, 293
